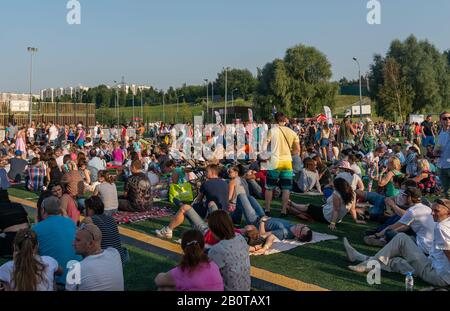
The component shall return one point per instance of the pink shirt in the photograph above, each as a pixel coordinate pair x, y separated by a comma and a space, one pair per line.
205, 277
118, 155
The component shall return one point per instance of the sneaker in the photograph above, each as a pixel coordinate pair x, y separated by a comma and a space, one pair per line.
165, 233
268, 214
373, 241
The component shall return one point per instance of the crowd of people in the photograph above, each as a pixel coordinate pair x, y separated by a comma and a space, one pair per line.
362, 169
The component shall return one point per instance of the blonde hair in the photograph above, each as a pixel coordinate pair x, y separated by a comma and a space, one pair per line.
395, 163
423, 165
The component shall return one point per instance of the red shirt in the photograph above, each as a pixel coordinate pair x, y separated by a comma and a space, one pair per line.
211, 240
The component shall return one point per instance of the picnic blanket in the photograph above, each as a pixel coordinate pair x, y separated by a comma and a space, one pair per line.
131, 217
285, 245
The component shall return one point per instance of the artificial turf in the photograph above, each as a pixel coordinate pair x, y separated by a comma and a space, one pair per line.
323, 264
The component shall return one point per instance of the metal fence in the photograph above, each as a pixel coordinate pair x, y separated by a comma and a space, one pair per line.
62, 113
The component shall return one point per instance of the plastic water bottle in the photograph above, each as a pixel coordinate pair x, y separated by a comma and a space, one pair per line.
409, 282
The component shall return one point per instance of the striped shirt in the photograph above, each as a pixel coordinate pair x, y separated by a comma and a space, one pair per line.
36, 173
110, 233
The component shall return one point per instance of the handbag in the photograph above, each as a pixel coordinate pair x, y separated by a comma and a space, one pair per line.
182, 192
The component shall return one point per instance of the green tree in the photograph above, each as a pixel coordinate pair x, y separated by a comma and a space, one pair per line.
299, 84
240, 79
425, 70
395, 94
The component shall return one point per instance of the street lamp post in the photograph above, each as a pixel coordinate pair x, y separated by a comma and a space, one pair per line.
226, 92
360, 88
164, 108
142, 107
207, 95
232, 101
212, 100
178, 104
31, 50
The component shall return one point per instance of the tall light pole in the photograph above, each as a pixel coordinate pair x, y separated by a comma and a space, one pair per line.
226, 92
31, 50
232, 101
212, 100
164, 108
142, 106
360, 88
117, 104
178, 103
207, 95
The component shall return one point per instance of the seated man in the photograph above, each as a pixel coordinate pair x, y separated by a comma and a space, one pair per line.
137, 191
382, 204
101, 270
17, 167
417, 218
55, 235
13, 218
402, 255
36, 174
214, 190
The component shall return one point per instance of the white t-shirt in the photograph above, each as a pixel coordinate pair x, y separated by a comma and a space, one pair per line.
343, 209
419, 218
353, 180
47, 284
102, 272
441, 243
31, 132
52, 133
59, 161
356, 169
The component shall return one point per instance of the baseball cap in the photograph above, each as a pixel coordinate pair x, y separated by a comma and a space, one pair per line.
18, 152
93, 230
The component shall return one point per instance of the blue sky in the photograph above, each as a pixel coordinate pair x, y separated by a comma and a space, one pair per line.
171, 42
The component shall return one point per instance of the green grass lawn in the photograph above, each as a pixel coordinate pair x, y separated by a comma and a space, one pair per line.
323, 264
187, 111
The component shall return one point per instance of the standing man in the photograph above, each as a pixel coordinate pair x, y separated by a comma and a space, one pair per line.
52, 133
442, 150
427, 132
282, 140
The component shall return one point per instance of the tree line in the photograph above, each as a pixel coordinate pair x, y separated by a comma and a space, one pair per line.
413, 77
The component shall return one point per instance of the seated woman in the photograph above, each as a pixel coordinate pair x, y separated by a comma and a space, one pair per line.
425, 179
28, 271
387, 174
341, 202
13, 218
69, 205
107, 225
308, 180
107, 191
195, 271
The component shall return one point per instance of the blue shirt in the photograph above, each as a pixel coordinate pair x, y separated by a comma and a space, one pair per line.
401, 157
444, 142
55, 236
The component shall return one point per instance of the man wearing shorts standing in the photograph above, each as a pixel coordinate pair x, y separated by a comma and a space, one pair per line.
282, 140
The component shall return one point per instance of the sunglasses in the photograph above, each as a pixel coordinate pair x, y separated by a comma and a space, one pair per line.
441, 202
445, 118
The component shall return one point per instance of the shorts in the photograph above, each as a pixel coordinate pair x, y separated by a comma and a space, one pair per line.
429, 140
281, 178
324, 143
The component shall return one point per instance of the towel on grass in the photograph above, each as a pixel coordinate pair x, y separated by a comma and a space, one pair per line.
286, 245
131, 217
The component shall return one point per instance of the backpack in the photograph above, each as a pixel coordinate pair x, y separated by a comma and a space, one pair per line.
99, 131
